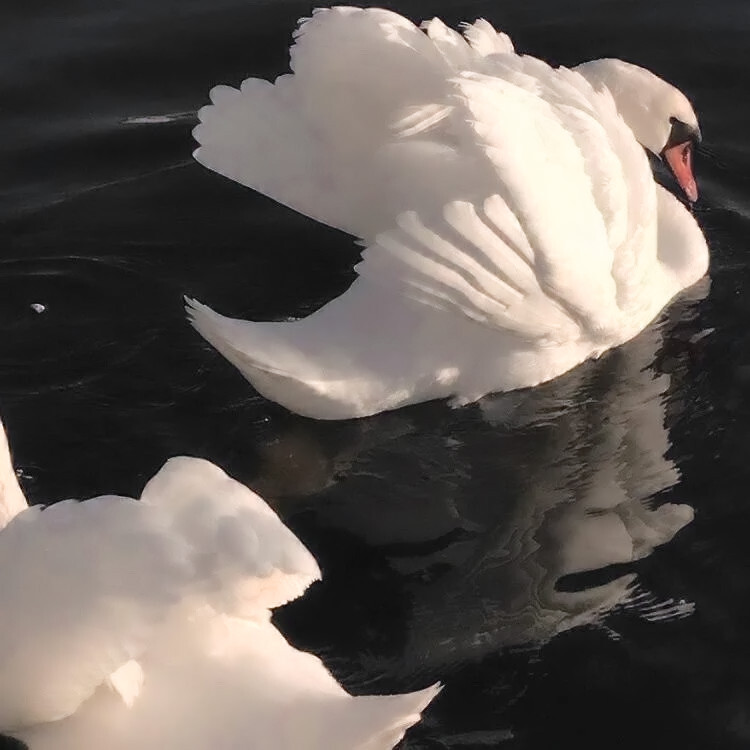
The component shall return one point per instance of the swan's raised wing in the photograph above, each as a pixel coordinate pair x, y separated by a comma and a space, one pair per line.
245, 559
307, 139
83, 586
389, 132
362, 79
530, 251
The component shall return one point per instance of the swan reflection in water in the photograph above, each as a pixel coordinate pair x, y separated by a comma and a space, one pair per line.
561, 557
507, 523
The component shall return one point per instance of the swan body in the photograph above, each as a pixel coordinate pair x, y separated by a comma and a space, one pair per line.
131, 625
511, 223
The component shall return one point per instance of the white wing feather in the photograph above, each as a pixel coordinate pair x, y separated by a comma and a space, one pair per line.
245, 559
309, 140
535, 259
84, 585
481, 181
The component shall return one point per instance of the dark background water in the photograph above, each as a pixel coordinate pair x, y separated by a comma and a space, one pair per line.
445, 537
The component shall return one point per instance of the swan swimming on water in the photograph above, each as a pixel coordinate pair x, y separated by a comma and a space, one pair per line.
145, 625
511, 222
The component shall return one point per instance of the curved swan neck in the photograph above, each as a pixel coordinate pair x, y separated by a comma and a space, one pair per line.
646, 103
12, 500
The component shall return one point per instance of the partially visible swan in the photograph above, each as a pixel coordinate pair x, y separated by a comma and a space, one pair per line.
132, 625
511, 221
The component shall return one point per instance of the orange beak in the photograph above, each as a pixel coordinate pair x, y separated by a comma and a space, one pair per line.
680, 161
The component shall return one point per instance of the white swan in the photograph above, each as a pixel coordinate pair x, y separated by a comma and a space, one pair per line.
145, 625
511, 221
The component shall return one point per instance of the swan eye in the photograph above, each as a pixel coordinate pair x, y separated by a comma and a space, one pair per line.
681, 133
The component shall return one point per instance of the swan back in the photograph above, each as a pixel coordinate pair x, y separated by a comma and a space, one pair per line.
247, 559
86, 586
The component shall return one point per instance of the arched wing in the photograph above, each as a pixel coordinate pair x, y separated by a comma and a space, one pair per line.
84, 585
534, 256
382, 127
245, 559
362, 80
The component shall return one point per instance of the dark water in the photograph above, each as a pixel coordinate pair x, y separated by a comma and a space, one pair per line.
489, 547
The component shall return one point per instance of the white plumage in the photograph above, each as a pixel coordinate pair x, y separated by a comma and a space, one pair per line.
131, 625
511, 222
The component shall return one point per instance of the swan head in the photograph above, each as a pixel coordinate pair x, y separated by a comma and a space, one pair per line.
661, 117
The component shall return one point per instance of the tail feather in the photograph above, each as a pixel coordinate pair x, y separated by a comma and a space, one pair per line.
379, 722
268, 347
271, 360
226, 336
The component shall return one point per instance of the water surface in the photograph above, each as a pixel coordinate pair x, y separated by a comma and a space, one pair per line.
570, 561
